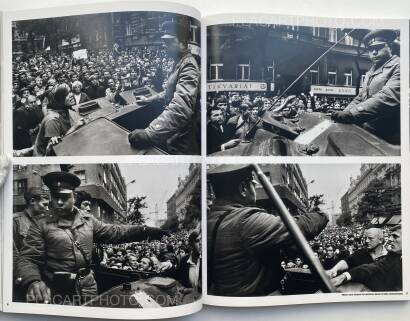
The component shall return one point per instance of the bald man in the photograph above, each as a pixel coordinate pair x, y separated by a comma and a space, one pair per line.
373, 251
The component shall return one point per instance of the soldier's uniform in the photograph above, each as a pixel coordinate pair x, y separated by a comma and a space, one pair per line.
58, 250
21, 224
244, 252
176, 129
377, 106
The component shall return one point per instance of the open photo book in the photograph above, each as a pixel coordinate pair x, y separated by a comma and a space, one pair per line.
162, 160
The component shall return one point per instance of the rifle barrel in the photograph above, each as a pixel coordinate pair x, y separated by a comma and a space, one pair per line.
316, 267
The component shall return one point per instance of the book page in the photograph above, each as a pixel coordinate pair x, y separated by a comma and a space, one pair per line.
102, 207
307, 159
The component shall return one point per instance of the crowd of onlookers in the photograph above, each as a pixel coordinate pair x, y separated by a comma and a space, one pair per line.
104, 73
233, 103
335, 243
167, 257
232, 116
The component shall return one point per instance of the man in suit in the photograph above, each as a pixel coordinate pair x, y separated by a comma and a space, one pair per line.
219, 134
382, 275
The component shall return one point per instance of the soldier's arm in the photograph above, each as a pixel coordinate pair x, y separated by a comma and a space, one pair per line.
179, 112
382, 102
32, 256
263, 231
357, 100
116, 233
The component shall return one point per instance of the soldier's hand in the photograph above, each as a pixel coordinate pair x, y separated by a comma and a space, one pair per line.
232, 143
342, 117
155, 232
38, 292
141, 100
138, 138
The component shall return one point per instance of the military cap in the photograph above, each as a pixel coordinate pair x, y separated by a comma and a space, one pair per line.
36, 191
379, 36
175, 29
61, 182
234, 172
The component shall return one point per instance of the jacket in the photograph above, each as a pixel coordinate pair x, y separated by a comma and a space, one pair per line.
386, 274
377, 106
177, 128
48, 247
246, 261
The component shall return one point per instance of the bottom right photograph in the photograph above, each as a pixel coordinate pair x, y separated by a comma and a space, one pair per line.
288, 229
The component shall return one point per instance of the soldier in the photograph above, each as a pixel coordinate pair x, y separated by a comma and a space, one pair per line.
54, 263
244, 241
377, 106
176, 129
37, 199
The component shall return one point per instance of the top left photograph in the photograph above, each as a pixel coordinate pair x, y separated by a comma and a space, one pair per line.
118, 83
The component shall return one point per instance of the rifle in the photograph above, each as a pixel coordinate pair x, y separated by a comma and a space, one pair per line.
316, 267
249, 134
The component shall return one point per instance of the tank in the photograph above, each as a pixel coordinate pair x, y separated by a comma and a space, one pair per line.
107, 131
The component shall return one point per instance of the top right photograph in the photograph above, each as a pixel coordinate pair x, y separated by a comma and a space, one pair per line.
285, 90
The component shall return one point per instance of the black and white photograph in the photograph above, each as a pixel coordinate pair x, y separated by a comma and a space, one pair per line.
118, 83
107, 235
292, 90
287, 229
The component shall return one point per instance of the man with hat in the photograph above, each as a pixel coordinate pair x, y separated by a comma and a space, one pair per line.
54, 263
377, 106
37, 199
244, 241
385, 274
176, 129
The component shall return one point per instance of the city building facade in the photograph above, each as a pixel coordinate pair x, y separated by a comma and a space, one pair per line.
103, 182
288, 181
181, 197
268, 58
98, 31
389, 173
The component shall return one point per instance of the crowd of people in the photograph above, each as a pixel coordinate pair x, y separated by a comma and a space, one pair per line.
231, 116
369, 253
104, 73
166, 257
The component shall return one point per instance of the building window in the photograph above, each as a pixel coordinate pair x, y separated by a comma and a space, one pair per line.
194, 33
348, 78
332, 35
81, 176
348, 40
331, 77
128, 30
243, 71
316, 32
314, 77
216, 71
20, 186
362, 78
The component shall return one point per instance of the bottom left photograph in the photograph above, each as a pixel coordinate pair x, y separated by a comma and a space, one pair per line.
107, 235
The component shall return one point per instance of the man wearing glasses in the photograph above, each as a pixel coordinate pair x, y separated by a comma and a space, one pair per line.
377, 106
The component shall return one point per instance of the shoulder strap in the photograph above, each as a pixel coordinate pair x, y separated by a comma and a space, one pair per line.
72, 235
210, 257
